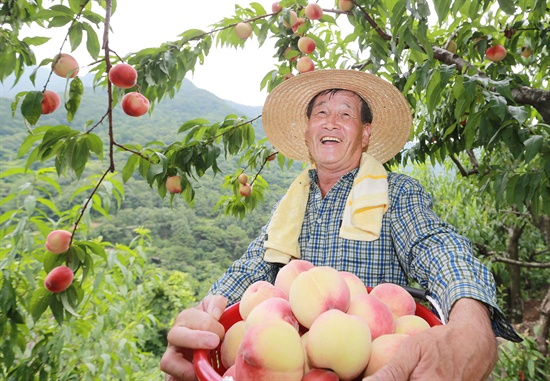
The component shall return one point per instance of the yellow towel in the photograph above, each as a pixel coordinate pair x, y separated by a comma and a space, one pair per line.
362, 220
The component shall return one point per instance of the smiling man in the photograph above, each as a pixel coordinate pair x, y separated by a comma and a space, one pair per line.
346, 211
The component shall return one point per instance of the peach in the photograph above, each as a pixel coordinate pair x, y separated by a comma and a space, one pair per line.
307, 363
65, 65
339, 342
451, 47
230, 372
355, 284
256, 293
299, 22
276, 7
317, 290
270, 351
382, 350
305, 64
272, 308
396, 297
243, 30
135, 104
376, 313
173, 184
58, 241
317, 374
123, 76
410, 324
243, 178
495, 53
245, 190
345, 5
230, 344
50, 102
289, 272
314, 11
59, 279
306, 45
291, 54
291, 20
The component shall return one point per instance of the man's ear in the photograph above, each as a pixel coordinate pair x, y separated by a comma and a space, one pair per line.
366, 134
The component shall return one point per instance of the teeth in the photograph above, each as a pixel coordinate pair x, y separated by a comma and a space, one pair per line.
330, 139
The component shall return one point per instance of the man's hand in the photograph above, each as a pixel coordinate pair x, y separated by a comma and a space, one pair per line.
194, 328
464, 349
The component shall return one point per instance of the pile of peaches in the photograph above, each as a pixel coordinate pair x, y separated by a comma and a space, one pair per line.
317, 323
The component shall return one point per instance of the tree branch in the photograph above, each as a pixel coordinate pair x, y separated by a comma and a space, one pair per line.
494, 257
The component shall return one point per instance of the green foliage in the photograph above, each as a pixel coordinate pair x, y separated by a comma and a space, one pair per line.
522, 361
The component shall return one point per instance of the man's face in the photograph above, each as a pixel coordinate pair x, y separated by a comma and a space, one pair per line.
335, 135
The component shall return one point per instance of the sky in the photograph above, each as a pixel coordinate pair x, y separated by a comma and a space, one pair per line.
232, 74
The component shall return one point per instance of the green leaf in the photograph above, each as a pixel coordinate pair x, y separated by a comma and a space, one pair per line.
76, 90
92, 41
190, 35
442, 8
532, 147
39, 302
31, 107
130, 167
507, 6
75, 35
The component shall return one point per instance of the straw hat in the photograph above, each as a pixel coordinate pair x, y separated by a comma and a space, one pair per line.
284, 113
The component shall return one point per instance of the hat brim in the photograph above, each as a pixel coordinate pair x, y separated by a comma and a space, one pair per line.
284, 114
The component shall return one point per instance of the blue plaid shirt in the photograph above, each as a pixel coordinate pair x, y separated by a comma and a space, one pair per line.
414, 244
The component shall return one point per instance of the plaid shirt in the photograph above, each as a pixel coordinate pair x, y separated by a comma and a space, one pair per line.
414, 244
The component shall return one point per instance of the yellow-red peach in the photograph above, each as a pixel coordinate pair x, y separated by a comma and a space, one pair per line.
58, 241
272, 308
229, 373
291, 20
355, 284
135, 104
495, 53
256, 293
299, 22
383, 348
314, 11
317, 374
243, 30
243, 178
230, 343
318, 290
305, 64
396, 297
173, 184
65, 65
340, 342
307, 363
345, 5
245, 190
410, 324
50, 102
59, 279
376, 313
289, 272
306, 45
276, 7
123, 76
271, 351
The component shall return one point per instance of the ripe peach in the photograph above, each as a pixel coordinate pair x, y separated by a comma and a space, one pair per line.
317, 290
410, 324
345, 5
317, 374
276, 7
243, 30
340, 342
396, 297
135, 104
65, 65
314, 11
289, 272
270, 351
230, 372
123, 76
292, 19
305, 64
526, 52
451, 47
495, 53
245, 190
307, 363
382, 350
230, 343
299, 22
376, 313
306, 45
51, 102
59, 279
58, 241
173, 184
272, 156
291, 54
355, 284
256, 293
272, 308
243, 178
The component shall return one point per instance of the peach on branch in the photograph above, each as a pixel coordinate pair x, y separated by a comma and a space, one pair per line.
355, 284
272, 308
383, 348
289, 272
306, 45
305, 64
270, 351
242, 178
345, 5
318, 290
376, 313
291, 54
340, 342
256, 293
230, 344
123, 76
135, 104
173, 184
276, 7
245, 190
495, 53
59, 279
410, 324
299, 22
243, 30
291, 20
64, 65
58, 241
396, 297
451, 46
50, 102
314, 11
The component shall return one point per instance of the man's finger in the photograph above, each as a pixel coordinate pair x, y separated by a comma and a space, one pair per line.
175, 365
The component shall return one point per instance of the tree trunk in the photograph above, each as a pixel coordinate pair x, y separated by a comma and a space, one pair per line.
516, 303
542, 336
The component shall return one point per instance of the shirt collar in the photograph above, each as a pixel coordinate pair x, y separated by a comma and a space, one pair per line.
350, 176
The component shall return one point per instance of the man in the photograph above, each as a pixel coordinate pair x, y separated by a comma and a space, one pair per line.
348, 213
